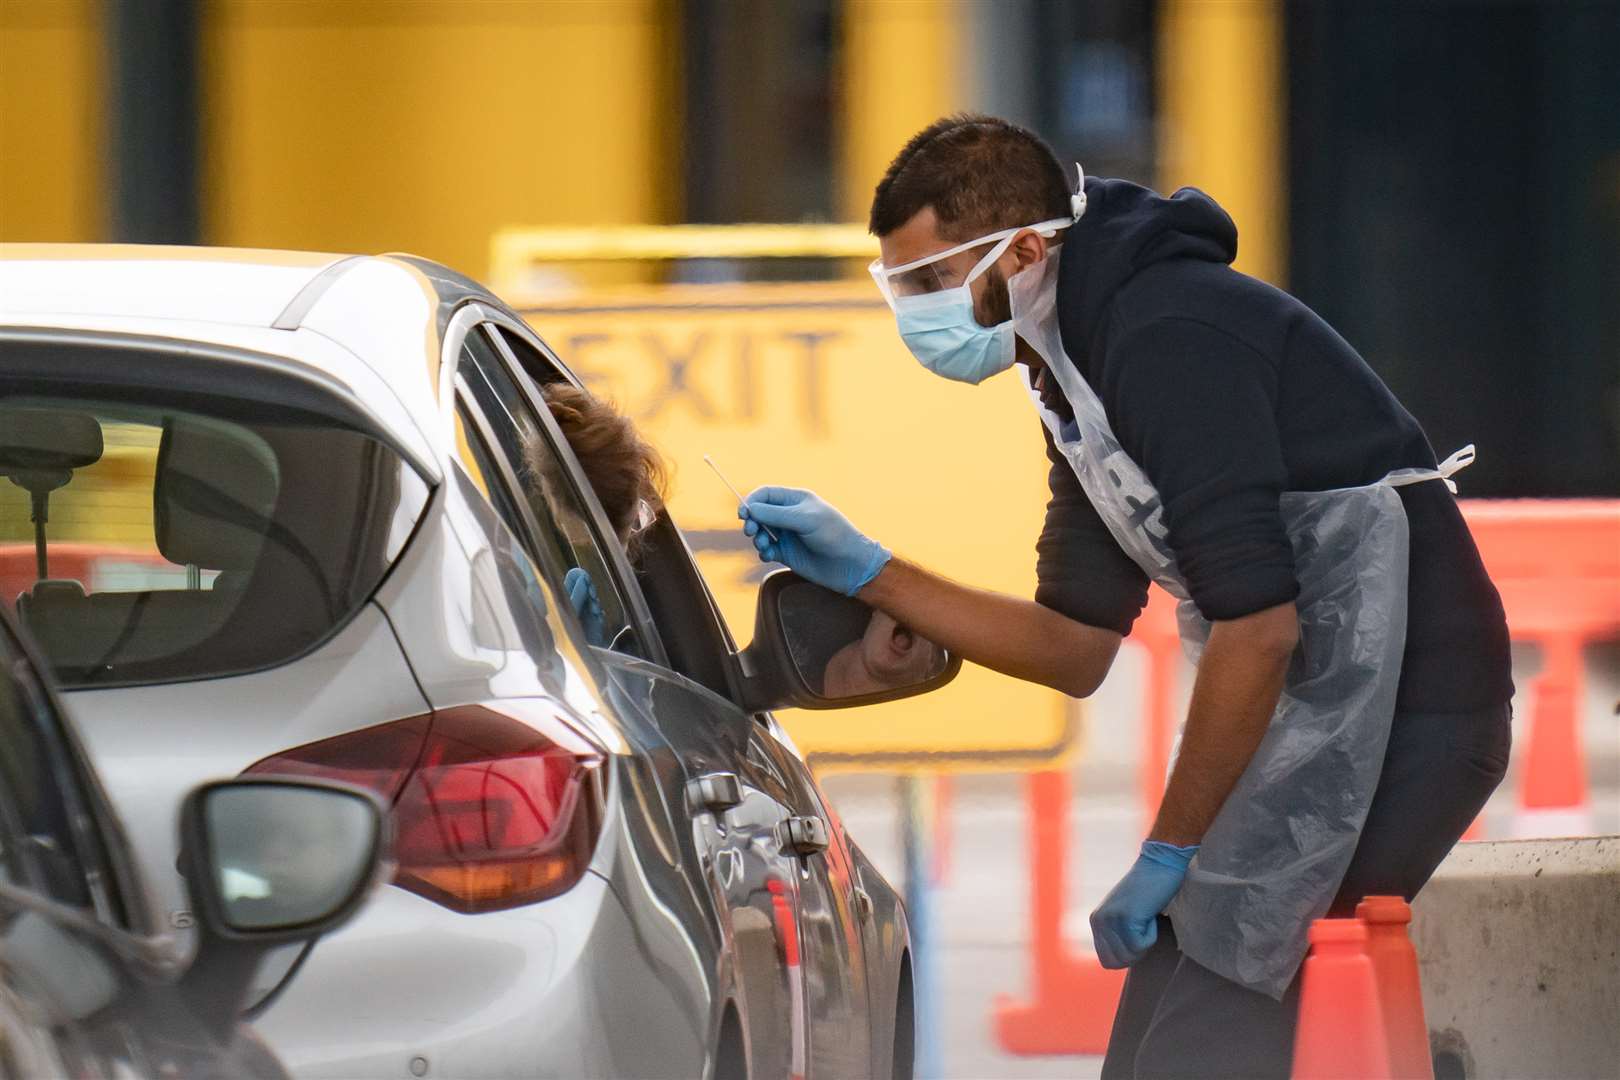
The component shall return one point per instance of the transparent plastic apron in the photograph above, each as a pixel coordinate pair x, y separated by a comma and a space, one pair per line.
1275, 854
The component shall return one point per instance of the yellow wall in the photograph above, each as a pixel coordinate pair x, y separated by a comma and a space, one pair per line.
51, 121
1220, 68
422, 127
903, 66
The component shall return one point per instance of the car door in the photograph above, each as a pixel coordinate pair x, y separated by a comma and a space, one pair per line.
726, 805
45, 856
66, 1006
762, 864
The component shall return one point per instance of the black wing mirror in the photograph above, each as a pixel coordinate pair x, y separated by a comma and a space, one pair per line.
816, 649
272, 861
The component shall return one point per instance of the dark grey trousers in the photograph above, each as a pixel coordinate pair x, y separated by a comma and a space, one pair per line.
1177, 1018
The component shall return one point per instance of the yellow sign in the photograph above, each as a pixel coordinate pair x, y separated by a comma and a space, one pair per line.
809, 386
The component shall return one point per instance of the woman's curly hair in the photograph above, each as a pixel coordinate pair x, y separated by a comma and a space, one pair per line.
619, 464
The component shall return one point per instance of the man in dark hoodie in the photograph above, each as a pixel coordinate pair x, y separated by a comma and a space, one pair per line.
1213, 395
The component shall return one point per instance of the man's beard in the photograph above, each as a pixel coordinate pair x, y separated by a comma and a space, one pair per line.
995, 303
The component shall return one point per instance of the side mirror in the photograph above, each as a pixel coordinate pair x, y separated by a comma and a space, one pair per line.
815, 649
272, 861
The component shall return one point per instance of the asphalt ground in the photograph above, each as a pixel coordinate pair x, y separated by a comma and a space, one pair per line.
980, 898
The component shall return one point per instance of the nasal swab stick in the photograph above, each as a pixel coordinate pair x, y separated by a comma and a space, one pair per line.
709, 461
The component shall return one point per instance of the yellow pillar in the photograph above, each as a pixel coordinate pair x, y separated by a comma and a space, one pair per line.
52, 121
373, 125
1222, 105
902, 68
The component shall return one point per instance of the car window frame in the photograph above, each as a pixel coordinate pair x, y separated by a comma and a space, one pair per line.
475, 317
602, 532
574, 502
716, 630
100, 847
219, 403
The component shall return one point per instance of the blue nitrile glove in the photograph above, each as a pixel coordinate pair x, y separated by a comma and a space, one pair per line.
587, 605
1125, 925
816, 541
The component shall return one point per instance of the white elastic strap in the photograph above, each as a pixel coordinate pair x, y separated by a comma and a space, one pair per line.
1077, 201
1456, 463
1045, 228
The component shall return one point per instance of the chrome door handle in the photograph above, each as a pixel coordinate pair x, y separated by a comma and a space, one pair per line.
714, 792
863, 904
804, 835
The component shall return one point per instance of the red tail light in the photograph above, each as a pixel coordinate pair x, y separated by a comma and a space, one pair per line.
492, 809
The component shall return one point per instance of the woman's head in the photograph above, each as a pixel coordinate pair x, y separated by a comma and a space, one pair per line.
622, 467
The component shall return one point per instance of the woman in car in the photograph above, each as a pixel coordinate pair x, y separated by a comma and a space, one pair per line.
624, 470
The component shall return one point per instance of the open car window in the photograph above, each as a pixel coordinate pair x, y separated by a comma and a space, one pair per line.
685, 615
143, 542
547, 489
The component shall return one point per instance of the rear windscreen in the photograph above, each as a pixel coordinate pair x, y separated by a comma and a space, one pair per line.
144, 544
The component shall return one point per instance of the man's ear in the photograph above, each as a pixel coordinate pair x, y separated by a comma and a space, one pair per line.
1028, 248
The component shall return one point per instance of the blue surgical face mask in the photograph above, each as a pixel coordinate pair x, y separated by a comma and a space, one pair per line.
937, 324
940, 330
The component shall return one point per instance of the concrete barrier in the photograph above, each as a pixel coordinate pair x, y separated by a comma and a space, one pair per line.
1519, 943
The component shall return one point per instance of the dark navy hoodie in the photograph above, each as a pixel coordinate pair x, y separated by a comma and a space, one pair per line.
1228, 392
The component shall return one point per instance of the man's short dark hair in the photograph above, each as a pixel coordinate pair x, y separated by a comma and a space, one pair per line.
979, 173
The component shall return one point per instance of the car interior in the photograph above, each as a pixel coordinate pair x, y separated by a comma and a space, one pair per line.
236, 543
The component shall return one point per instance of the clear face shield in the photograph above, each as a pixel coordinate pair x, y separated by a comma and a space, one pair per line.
946, 270
646, 517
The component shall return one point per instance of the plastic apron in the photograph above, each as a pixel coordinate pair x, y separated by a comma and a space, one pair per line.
1274, 856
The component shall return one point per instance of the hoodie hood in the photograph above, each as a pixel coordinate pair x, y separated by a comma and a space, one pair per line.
1126, 228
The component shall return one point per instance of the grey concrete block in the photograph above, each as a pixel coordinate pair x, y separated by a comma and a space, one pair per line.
1519, 944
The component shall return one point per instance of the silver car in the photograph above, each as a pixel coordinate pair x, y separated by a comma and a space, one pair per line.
268, 513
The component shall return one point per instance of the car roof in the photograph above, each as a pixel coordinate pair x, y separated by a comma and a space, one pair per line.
243, 286
388, 311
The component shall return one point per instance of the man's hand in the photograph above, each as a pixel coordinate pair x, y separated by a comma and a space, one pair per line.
1125, 925
814, 540
887, 656
894, 655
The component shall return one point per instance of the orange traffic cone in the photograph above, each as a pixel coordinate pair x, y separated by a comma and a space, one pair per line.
1341, 1027
1400, 994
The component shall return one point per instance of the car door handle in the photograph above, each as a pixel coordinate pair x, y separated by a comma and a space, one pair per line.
714, 792
863, 904
804, 835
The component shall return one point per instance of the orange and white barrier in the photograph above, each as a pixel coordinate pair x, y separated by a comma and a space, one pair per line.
1072, 1008
787, 929
1556, 563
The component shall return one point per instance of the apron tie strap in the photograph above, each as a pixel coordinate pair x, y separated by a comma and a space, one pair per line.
1456, 463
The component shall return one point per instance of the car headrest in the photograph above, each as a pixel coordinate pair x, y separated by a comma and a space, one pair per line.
49, 592
47, 439
214, 493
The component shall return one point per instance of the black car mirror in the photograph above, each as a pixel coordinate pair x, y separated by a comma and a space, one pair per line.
816, 649
272, 861
279, 859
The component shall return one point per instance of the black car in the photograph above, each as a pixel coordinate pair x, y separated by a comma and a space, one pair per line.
88, 986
